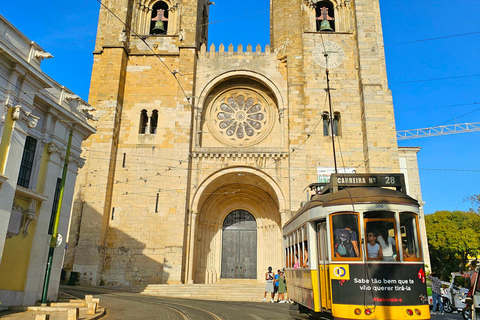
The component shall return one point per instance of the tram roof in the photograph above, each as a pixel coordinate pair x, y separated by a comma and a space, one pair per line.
357, 195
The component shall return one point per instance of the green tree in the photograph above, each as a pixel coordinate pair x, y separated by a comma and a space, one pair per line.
452, 237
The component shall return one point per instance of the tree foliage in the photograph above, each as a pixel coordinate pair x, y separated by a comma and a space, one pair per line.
453, 237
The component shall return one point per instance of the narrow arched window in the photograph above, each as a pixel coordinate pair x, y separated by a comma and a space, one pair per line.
336, 124
325, 16
153, 122
159, 18
143, 122
326, 123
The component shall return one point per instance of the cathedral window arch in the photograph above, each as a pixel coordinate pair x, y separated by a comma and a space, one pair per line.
153, 122
143, 122
327, 122
325, 16
329, 15
149, 21
159, 18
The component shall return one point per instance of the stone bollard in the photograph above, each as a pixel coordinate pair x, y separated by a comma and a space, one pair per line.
72, 314
42, 317
88, 299
92, 308
96, 300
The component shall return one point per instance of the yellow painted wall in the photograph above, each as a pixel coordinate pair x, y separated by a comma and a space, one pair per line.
16, 257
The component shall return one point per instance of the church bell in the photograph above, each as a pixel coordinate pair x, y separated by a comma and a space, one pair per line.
158, 28
325, 26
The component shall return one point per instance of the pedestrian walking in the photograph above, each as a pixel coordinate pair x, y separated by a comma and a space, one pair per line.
436, 292
282, 287
275, 287
270, 278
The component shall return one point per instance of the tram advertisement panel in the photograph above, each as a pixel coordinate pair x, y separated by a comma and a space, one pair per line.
378, 284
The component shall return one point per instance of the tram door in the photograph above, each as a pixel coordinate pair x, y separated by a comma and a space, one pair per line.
239, 246
323, 267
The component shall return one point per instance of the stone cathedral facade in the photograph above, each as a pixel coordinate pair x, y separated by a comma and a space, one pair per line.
203, 152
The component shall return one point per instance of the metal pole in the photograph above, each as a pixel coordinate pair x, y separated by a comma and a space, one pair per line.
331, 120
53, 241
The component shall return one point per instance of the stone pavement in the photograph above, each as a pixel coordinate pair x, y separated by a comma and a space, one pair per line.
67, 307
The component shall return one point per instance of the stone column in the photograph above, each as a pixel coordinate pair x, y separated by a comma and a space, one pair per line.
189, 252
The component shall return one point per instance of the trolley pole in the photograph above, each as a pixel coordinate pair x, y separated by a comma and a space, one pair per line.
331, 118
53, 240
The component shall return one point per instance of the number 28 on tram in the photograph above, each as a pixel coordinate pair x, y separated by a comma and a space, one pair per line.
353, 251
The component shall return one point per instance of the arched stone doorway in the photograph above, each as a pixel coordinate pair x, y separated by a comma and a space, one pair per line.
237, 189
239, 246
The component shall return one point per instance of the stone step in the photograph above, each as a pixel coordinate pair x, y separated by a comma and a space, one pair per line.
224, 291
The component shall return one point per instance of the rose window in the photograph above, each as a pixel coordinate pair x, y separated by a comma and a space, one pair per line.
240, 119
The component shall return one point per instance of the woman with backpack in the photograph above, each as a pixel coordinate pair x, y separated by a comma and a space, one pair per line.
346, 243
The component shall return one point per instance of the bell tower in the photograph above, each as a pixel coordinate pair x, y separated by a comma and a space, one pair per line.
142, 86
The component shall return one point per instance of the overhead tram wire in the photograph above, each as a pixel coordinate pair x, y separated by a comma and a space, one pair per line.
431, 39
293, 149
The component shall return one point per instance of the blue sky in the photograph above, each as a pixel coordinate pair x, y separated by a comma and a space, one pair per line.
449, 165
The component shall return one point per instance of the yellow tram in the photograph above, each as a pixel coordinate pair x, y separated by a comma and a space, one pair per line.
335, 271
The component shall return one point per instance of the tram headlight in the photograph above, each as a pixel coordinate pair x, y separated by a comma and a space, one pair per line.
418, 312
410, 312
368, 312
358, 312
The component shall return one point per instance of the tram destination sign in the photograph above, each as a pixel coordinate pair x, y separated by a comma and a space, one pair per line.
393, 180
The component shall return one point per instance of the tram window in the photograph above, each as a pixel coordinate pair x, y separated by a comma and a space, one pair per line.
409, 231
379, 215
382, 224
305, 255
345, 236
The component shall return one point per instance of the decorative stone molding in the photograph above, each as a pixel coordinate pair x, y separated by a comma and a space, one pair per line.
20, 219
40, 55
309, 3
82, 107
52, 148
79, 161
71, 96
209, 155
3, 179
27, 117
123, 36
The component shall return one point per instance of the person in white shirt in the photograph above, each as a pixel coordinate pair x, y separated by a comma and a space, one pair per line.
389, 247
373, 248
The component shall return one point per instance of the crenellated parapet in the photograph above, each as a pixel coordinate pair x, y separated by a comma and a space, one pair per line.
240, 50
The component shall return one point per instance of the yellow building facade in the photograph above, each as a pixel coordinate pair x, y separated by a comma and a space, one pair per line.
35, 120
203, 152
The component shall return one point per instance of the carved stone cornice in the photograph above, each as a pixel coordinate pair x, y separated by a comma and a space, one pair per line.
27, 117
53, 148
20, 218
273, 155
79, 161
40, 55
82, 106
71, 96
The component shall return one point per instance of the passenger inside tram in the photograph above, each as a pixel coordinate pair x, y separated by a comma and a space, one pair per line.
374, 249
305, 256
345, 235
389, 247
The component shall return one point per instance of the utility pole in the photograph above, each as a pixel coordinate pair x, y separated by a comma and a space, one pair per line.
53, 241
331, 115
